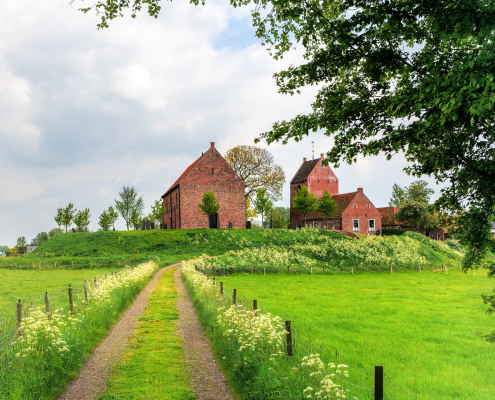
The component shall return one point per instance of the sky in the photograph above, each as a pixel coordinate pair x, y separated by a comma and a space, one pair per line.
85, 111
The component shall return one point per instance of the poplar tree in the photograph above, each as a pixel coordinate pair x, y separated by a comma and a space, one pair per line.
209, 204
262, 204
130, 206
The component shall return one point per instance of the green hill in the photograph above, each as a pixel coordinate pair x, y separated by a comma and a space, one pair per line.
103, 249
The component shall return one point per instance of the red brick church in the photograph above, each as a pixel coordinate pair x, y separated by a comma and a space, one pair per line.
355, 212
208, 172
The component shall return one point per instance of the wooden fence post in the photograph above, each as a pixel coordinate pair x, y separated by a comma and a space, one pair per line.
72, 263
47, 306
357, 268
323, 268
288, 269
252, 269
255, 307
390, 268
289, 338
40, 265
86, 291
105, 275
55, 265
264, 271
378, 383
234, 297
311, 270
221, 288
19, 316
419, 267
207, 277
96, 282
214, 282
71, 302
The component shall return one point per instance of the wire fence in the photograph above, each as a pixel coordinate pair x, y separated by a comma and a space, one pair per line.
360, 384
56, 301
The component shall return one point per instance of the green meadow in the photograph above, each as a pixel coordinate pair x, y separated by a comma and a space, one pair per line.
423, 328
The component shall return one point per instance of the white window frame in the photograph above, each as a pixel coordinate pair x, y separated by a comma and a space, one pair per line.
369, 226
354, 229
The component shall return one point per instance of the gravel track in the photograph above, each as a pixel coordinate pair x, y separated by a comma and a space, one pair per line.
207, 378
91, 381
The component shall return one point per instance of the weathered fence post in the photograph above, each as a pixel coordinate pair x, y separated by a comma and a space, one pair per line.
47, 306
96, 282
323, 268
357, 268
289, 338
55, 265
234, 297
221, 288
214, 283
311, 270
390, 268
252, 269
215, 271
378, 383
264, 271
19, 316
255, 307
419, 267
72, 263
40, 265
86, 291
112, 273
71, 302
105, 275
288, 269
207, 277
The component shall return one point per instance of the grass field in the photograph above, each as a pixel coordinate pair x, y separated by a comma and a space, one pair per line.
421, 327
153, 366
20, 284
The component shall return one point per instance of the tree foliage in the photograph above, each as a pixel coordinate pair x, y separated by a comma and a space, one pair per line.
326, 205
262, 204
65, 216
40, 238
256, 168
209, 204
157, 211
104, 219
130, 206
398, 196
415, 213
82, 219
304, 202
113, 216
21, 244
250, 210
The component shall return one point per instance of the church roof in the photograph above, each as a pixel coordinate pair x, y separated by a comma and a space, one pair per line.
304, 170
177, 182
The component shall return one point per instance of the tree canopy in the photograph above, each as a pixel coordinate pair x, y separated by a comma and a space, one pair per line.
256, 168
326, 205
209, 204
262, 204
130, 206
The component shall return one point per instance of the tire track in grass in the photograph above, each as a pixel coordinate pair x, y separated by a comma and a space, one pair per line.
91, 381
208, 380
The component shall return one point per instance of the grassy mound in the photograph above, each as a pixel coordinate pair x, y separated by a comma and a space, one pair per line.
276, 248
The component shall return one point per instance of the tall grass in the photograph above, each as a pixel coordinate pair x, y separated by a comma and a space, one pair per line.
49, 352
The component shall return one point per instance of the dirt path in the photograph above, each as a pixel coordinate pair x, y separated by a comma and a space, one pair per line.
207, 378
91, 382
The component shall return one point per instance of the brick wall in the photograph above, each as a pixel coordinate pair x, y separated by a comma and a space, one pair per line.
171, 206
322, 178
212, 173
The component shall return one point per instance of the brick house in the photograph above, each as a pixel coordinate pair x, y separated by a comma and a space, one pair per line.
354, 213
208, 172
389, 221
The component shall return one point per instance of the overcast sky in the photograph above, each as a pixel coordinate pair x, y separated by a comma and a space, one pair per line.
85, 111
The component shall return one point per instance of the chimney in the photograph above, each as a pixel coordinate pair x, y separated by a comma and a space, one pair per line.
322, 155
212, 144
304, 159
360, 190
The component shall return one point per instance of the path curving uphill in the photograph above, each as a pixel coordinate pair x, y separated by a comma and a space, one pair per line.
91, 381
